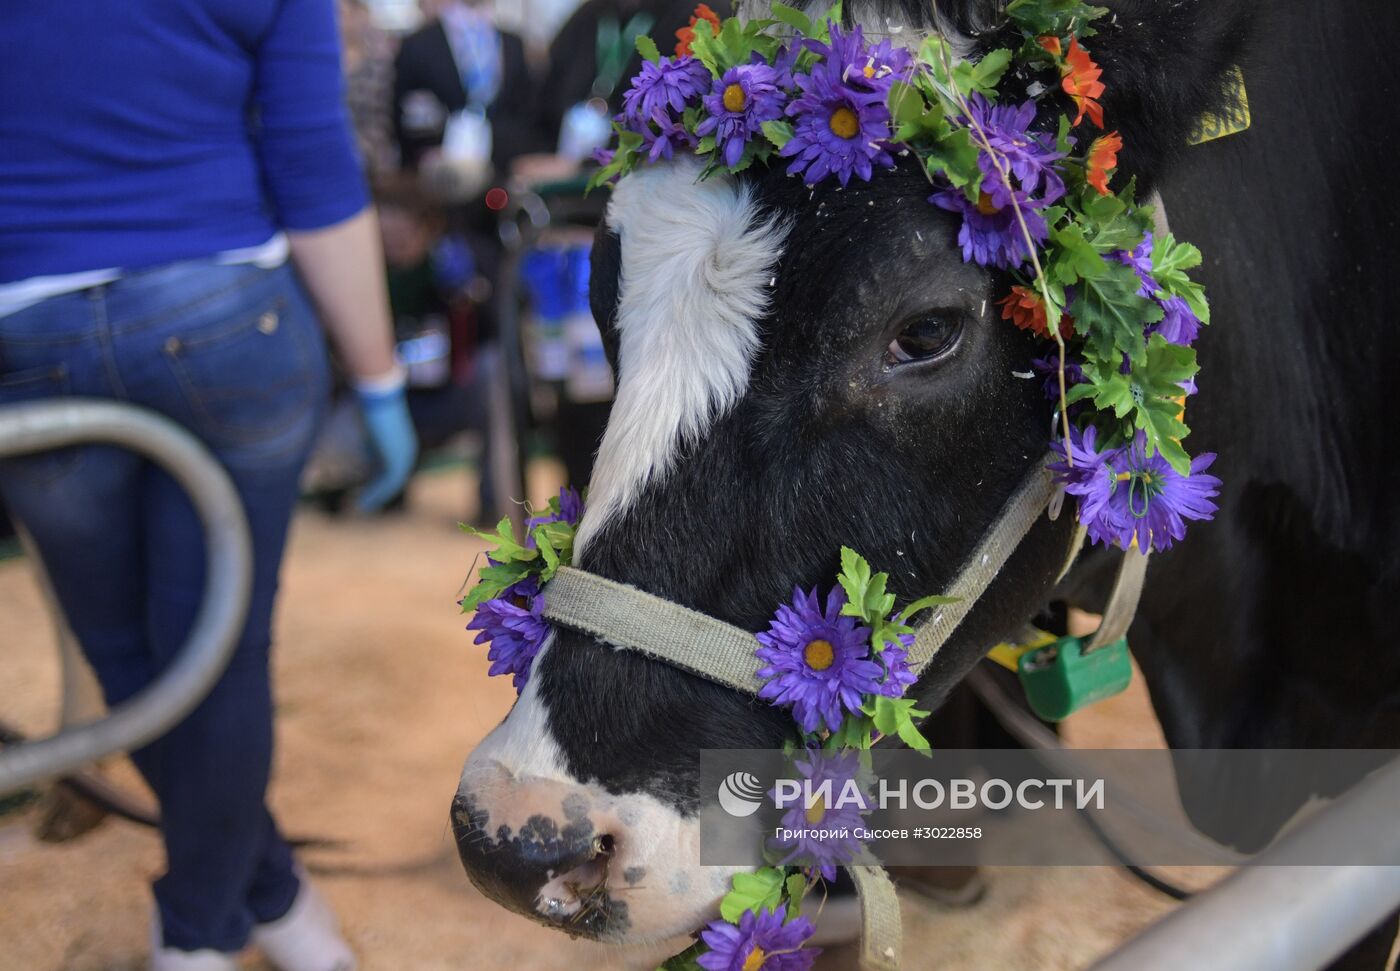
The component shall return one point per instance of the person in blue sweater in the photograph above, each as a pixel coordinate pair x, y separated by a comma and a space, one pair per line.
181, 215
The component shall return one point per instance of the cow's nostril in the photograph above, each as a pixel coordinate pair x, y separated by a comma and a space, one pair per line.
604, 845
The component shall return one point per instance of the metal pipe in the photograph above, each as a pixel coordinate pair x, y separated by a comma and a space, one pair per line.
41, 426
1030, 732
1288, 918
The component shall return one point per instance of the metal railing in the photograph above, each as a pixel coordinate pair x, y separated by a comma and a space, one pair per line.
42, 426
1288, 917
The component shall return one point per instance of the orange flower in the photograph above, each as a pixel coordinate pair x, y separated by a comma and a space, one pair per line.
1050, 43
1081, 82
686, 35
1103, 159
1023, 307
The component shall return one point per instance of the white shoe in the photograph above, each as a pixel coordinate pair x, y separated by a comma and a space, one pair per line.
170, 959
306, 938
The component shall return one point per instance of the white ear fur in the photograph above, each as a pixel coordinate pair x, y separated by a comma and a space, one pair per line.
697, 260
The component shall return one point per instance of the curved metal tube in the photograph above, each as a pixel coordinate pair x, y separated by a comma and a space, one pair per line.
41, 426
1285, 917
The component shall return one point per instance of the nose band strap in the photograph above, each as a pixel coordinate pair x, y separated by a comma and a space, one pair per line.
635, 620
626, 617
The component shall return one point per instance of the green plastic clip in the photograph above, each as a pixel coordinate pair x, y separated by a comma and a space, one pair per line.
1061, 678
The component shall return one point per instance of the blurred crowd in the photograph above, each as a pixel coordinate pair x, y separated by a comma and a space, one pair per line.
461, 123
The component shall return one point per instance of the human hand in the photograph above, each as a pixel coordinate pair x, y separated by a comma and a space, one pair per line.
392, 438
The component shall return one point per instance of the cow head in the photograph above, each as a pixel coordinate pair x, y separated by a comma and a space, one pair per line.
798, 369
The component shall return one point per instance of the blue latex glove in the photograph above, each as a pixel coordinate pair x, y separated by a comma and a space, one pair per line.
393, 440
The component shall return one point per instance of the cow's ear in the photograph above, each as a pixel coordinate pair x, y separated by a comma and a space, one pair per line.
1166, 64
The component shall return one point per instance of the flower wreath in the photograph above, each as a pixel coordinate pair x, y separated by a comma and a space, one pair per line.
1087, 273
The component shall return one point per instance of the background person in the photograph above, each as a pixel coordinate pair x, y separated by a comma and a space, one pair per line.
459, 78
161, 161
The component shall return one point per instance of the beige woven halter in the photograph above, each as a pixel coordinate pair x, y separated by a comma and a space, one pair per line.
625, 617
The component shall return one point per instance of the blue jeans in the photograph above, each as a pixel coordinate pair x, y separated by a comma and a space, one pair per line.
235, 354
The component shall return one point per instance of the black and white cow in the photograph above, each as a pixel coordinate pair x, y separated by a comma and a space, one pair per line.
800, 369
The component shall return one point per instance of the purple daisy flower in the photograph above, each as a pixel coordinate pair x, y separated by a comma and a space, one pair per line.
1125, 495
1030, 156
841, 129
1092, 480
760, 942
1178, 324
664, 136
662, 88
898, 676
821, 839
739, 104
991, 234
817, 661
515, 633
1050, 368
1140, 259
1156, 500
868, 67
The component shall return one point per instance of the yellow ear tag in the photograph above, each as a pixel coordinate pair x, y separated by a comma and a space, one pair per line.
1235, 119
1008, 654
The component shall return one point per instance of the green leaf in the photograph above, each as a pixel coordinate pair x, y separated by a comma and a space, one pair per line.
777, 132
1157, 392
647, 48
1110, 313
687, 960
1150, 395
917, 116
760, 890
795, 19
897, 716
854, 579
924, 603
795, 889
855, 733
706, 48
1074, 257
1168, 254
1170, 261
988, 71
1057, 17
624, 159
955, 158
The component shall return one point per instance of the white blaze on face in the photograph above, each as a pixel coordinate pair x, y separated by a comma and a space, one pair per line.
697, 260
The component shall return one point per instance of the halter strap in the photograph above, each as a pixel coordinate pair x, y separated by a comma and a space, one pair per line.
625, 617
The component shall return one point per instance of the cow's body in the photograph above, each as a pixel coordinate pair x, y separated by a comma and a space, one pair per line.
1272, 626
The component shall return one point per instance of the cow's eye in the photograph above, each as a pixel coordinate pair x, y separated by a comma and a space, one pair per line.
924, 337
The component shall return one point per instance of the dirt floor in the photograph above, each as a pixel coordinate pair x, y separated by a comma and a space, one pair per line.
380, 697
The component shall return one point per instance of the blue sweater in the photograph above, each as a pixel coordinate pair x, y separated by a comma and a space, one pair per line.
139, 132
